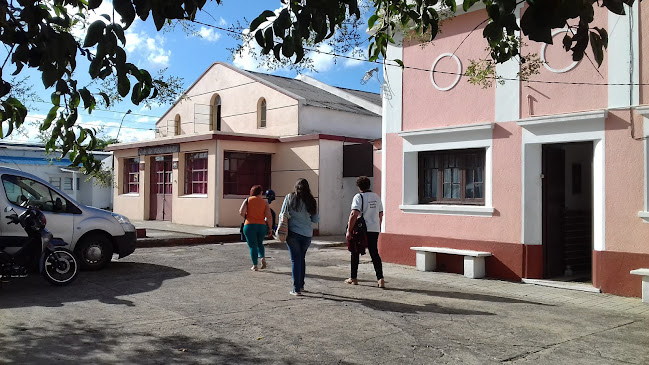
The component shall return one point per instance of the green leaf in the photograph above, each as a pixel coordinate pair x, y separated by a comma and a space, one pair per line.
93, 4
88, 100
268, 37
615, 6
372, 20
399, 62
288, 48
123, 85
260, 19
451, 4
119, 32
467, 4
126, 10
106, 98
50, 77
47, 122
56, 99
259, 37
94, 34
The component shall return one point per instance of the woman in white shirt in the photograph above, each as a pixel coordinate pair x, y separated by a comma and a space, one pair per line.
369, 204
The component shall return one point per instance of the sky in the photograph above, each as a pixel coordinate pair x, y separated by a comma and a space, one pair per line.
185, 56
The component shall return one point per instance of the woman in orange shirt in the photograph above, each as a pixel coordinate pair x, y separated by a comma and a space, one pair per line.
258, 222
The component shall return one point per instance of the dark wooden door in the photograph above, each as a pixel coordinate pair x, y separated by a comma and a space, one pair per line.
161, 189
554, 197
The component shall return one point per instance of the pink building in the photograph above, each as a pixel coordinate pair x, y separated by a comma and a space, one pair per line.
233, 129
548, 176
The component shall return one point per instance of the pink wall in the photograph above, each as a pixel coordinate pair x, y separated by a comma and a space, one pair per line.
561, 98
625, 231
504, 226
425, 106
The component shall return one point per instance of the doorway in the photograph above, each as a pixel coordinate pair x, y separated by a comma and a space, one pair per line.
161, 188
567, 211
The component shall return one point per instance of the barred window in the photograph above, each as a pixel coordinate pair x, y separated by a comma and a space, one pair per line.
131, 176
452, 177
196, 173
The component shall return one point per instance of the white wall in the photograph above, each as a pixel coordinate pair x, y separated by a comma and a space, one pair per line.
87, 193
330, 187
339, 123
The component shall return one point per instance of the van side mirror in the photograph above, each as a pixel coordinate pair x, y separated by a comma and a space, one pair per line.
9, 209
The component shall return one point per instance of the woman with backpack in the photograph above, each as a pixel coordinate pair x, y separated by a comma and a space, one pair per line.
368, 205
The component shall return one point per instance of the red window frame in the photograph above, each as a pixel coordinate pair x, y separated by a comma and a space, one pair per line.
242, 170
131, 176
196, 173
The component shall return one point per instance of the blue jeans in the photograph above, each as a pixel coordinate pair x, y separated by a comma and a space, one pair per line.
255, 234
297, 246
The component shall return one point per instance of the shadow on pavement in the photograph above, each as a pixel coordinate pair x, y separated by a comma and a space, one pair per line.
82, 343
118, 279
433, 293
400, 307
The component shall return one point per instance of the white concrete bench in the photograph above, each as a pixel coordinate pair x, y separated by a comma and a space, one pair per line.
473, 260
645, 282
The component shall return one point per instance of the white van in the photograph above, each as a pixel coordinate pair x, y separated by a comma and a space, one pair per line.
93, 234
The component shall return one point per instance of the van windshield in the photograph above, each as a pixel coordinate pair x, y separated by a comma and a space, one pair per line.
23, 191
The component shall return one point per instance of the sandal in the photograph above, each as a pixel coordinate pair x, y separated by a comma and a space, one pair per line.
351, 281
263, 263
381, 283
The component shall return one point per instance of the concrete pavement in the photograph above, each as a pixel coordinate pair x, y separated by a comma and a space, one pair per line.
202, 305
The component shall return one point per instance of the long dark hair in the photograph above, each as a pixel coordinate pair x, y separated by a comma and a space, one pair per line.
303, 193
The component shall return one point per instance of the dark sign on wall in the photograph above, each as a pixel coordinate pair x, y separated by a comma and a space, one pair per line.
358, 160
158, 150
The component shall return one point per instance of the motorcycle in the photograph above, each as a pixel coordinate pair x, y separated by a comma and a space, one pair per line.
58, 265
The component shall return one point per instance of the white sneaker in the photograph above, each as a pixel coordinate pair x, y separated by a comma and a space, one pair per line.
296, 293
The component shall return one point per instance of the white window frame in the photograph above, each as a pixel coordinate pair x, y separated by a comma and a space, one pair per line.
644, 111
561, 128
443, 139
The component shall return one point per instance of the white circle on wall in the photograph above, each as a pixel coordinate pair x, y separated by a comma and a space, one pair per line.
459, 71
545, 63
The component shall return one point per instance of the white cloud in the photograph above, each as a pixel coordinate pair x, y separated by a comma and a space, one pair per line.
222, 22
322, 62
246, 59
357, 54
209, 34
138, 43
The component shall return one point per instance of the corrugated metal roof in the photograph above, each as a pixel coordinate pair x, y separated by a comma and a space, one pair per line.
317, 97
12, 161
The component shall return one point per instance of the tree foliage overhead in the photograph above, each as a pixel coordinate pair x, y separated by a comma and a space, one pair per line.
302, 20
38, 35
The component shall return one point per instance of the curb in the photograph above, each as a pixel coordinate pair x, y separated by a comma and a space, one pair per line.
185, 241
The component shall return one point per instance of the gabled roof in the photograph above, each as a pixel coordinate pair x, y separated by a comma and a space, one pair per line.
318, 97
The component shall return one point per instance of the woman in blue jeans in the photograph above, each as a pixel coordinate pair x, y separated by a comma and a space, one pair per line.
302, 208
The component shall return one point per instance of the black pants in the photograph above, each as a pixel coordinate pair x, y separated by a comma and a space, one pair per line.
372, 247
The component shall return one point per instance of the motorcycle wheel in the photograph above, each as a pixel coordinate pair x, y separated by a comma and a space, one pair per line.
60, 267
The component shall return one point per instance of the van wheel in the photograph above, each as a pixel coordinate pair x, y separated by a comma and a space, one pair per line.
94, 252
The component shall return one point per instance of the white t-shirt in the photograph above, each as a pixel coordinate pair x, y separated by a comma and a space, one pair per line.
371, 208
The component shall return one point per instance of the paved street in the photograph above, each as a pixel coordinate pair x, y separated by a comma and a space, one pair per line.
202, 305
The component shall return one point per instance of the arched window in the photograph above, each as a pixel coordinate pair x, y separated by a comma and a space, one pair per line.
261, 113
177, 130
216, 113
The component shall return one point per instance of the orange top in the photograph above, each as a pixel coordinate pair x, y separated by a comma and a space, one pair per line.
256, 212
